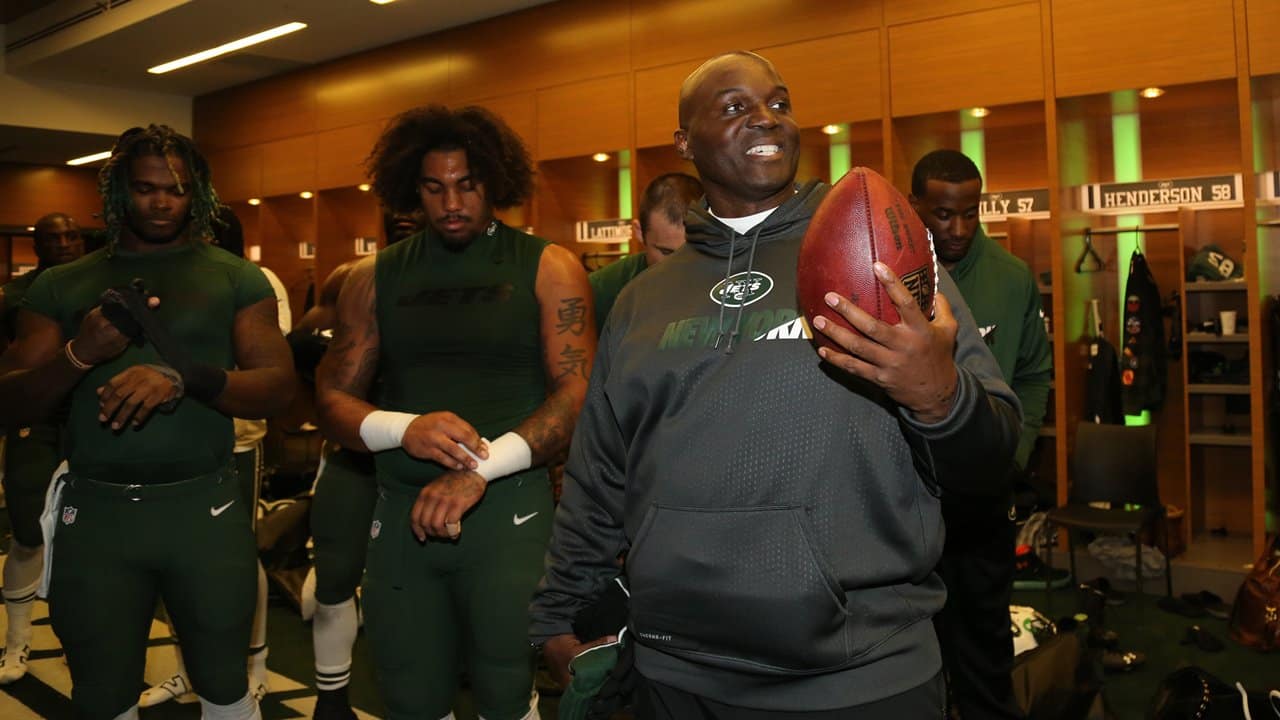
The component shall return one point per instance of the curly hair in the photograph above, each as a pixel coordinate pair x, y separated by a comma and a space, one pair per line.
162, 140
495, 155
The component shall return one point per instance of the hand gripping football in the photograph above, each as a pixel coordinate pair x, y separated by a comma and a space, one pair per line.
863, 219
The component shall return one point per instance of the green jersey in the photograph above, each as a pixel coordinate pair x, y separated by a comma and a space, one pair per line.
609, 280
12, 293
460, 330
201, 288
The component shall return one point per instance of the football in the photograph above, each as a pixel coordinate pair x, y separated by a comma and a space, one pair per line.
863, 219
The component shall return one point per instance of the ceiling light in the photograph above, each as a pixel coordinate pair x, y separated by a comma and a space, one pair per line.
600, 157
980, 112
90, 158
365, 187
831, 129
255, 201
232, 46
31, 228
382, 2
1151, 92
306, 194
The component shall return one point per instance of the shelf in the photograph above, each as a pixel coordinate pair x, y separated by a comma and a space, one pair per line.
1210, 338
1213, 437
1216, 286
1218, 388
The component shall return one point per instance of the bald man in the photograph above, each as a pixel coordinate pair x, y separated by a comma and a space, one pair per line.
31, 456
778, 508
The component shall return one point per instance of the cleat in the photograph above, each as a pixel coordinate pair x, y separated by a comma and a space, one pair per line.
177, 688
13, 664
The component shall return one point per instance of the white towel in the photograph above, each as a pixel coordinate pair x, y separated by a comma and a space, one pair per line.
49, 523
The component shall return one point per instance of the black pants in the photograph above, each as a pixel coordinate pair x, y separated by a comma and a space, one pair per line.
655, 701
974, 628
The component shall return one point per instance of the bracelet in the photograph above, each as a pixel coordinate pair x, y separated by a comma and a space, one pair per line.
75, 361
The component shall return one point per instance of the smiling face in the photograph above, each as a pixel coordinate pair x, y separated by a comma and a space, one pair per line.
160, 198
737, 128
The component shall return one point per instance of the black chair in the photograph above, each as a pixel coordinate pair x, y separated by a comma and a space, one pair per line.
1115, 464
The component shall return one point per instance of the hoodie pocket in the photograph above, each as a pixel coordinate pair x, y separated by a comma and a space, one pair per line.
740, 588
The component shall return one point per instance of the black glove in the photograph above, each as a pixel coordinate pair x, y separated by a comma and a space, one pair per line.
120, 306
127, 309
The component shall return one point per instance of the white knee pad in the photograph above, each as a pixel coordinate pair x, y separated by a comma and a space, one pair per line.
130, 714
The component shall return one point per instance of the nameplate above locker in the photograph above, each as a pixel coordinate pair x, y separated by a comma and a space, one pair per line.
1269, 188
1000, 206
1148, 196
614, 231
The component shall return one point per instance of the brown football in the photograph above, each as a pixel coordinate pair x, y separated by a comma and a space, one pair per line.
863, 219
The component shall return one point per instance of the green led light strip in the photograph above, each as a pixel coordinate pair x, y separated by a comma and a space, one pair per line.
1126, 147
624, 192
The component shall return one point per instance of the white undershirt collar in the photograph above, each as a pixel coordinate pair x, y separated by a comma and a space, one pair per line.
743, 225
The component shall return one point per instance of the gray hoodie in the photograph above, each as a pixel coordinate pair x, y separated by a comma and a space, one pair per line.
780, 519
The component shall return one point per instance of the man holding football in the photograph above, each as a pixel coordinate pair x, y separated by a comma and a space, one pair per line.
778, 509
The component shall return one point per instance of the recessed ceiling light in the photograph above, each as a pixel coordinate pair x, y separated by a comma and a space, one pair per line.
980, 112
255, 201
90, 158
600, 157
364, 187
225, 48
831, 129
31, 228
1151, 92
382, 2
306, 194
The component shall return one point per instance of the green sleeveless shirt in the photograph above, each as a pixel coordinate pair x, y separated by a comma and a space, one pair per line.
201, 288
459, 331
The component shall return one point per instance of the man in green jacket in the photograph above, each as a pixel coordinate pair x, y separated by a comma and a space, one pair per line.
978, 556
660, 229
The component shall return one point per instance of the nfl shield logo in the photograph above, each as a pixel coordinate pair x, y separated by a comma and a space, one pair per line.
68, 515
375, 529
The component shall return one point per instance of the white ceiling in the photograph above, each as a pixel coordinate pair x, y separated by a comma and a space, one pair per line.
113, 49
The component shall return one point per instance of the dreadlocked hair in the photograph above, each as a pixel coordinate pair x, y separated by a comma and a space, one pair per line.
161, 140
495, 155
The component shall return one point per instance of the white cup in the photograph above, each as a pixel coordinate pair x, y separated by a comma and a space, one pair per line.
1228, 320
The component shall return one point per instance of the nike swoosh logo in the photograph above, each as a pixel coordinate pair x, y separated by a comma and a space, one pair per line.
518, 520
216, 511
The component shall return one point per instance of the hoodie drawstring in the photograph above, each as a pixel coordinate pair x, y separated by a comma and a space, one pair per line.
728, 272
751, 263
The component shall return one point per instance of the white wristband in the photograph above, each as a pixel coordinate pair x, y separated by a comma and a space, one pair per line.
508, 454
383, 430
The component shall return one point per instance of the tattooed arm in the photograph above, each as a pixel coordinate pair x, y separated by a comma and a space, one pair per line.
347, 371
568, 347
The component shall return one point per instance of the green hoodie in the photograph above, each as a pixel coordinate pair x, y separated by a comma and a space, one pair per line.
1005, 301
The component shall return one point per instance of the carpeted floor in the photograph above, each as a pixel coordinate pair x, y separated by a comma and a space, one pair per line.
1140, 624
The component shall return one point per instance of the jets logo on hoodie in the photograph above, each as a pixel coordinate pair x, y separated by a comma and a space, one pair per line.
741, 289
